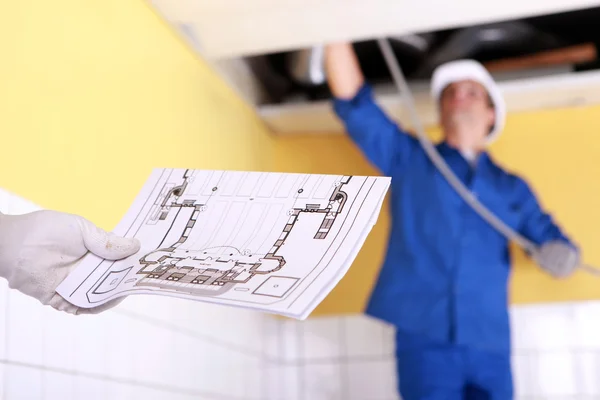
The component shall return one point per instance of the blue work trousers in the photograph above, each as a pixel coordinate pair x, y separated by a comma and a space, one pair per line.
451, 372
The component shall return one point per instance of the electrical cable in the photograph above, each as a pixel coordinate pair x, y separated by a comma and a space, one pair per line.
440, 164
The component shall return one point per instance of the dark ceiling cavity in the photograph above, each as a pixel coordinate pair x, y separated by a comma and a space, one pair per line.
559, 39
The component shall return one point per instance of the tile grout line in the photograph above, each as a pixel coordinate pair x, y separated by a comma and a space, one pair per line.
189, 332
301, 360
333, 360
343, 365
131, 382
280, 362
576, 358
265, 361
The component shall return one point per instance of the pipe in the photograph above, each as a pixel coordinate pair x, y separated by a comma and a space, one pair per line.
468, 41
566, 55
307, 66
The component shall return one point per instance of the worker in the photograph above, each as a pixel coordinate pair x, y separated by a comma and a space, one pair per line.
444, 281
39, 249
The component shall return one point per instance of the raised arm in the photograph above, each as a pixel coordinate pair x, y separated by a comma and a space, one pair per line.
379, 138
345, 77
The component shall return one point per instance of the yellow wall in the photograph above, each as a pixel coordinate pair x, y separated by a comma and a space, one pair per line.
95, 93
557, 151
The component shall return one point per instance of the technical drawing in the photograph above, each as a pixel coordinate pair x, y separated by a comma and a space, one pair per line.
276, 286
271, 241
205, 271
111, 281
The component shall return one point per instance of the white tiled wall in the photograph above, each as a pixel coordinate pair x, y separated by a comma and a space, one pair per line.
335, 358
155, 347
556, 356
148, 347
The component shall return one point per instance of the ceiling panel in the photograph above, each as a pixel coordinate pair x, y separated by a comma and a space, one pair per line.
233, 28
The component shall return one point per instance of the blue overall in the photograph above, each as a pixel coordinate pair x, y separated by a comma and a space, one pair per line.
444, 280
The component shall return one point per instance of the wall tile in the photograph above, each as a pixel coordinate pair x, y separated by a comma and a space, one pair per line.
273, 342
154, 394
59, 339
228, 321
323, 381
225, 323
321, 338
273, 387
203, 361
90, 388
151, 345
3, 379
294, 387
251, 376
389, 339
193, 316
152, 306
122, 391
375, 380
58, 386
121, 343
184, 355
544, 327
364, 336
588, 367
25, 329
554, 374
23, 383
523, 375
290, 340
217, 378
91, 343
586, 317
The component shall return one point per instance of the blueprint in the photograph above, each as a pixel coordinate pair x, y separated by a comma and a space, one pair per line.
273, 242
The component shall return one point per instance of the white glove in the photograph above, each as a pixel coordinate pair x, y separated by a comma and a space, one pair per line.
558, 258
38, 250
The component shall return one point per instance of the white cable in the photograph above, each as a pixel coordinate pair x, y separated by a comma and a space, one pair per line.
445, 170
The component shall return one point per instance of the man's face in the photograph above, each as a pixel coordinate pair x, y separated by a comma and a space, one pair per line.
466, 113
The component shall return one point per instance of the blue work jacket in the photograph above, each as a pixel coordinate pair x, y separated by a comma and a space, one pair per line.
446, 273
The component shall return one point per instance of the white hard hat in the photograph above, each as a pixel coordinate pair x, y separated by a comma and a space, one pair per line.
460, 70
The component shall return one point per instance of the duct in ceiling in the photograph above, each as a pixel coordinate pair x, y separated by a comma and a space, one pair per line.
300, 74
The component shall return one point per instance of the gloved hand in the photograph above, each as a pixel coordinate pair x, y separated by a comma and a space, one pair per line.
38, 250
558, 258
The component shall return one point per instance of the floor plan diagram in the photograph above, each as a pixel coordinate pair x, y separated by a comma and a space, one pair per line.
272, 241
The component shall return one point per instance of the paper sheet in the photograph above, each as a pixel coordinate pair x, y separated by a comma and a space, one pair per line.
274, 242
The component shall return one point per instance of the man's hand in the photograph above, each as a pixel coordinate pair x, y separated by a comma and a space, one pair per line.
38, 250
558, 258
342, 67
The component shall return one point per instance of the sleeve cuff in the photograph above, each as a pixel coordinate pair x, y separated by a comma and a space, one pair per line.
343, 107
